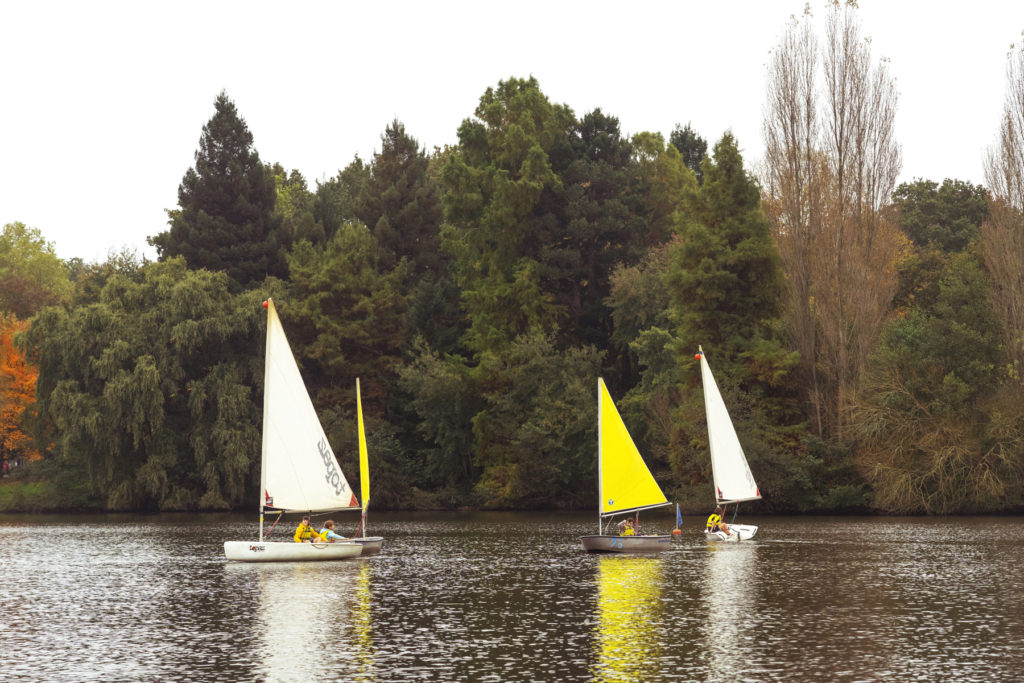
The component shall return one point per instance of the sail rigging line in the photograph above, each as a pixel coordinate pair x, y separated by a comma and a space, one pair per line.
280, 514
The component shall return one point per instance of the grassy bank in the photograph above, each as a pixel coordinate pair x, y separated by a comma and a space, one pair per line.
23, 495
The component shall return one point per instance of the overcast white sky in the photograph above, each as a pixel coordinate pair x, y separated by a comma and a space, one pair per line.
103, 103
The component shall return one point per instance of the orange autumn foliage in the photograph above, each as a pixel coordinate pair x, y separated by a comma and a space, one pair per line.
17, 391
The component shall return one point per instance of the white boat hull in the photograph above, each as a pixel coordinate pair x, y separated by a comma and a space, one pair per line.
626, 544
371, 544
279, 551
737, 532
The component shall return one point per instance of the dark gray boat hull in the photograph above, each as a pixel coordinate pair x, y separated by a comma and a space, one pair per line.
626, 544
371, 544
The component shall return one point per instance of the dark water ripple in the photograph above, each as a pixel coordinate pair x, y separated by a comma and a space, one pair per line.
511, 597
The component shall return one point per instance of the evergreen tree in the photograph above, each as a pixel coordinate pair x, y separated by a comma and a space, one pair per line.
225, 219
502, 211
402, 206
401, 203
348, 317
663, 183
602, 227
692, 147
337, 199
948, 217
724, 283
725, 280
294, 208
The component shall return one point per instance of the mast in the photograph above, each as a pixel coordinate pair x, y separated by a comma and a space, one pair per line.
600, 479
269, 305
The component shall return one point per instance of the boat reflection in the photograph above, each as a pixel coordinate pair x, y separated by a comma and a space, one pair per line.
730, 604
628, 611
313, 619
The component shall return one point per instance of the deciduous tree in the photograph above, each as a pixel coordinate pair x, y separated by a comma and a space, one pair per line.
153, 389
831, 165
931, 424
1003, 233
17, 391
31, 274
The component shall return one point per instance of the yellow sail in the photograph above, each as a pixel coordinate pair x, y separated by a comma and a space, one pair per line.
364, 462
625, 482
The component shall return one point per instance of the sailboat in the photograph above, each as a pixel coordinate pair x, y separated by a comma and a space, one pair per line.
624, 484
371, 544
298, 470
734, 482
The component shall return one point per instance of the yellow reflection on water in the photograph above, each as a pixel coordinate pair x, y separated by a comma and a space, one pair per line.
362, 626
628, 610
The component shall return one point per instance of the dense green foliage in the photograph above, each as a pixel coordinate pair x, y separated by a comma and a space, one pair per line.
478, 292
31, 274
937, 425
692, 147
153, 389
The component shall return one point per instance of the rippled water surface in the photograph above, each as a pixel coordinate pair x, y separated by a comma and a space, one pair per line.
512, 597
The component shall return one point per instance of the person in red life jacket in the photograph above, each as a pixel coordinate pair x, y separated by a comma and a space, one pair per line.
305, 533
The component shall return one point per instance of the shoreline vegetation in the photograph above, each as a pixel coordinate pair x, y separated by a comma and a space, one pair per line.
32, 498
866, 335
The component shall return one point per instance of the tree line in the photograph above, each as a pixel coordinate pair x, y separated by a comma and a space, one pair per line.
865, 336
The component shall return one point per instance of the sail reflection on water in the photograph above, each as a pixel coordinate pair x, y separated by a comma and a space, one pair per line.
729, 595
312, 619
628, 611
362, 626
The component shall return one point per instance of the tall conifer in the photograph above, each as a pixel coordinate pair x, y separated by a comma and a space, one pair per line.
402, 206
225, 220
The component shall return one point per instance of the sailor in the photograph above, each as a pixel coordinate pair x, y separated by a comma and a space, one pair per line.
714, 521
626, 528
305, 533
327, 533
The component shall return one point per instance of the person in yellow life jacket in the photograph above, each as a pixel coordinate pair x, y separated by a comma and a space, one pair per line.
305, 533
328, 534
626, 528
714, 521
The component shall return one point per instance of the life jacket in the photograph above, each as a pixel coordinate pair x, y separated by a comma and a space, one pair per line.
628, 531
713, 521
305, 533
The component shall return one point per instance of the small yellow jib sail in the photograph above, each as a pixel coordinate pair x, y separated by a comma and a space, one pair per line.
364, 461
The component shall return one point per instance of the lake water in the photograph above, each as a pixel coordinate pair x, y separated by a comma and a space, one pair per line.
512, 597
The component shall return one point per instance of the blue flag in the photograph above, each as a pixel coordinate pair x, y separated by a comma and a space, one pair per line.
679, 517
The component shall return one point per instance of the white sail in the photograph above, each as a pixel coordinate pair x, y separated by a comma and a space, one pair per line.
299, 470
733, 480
